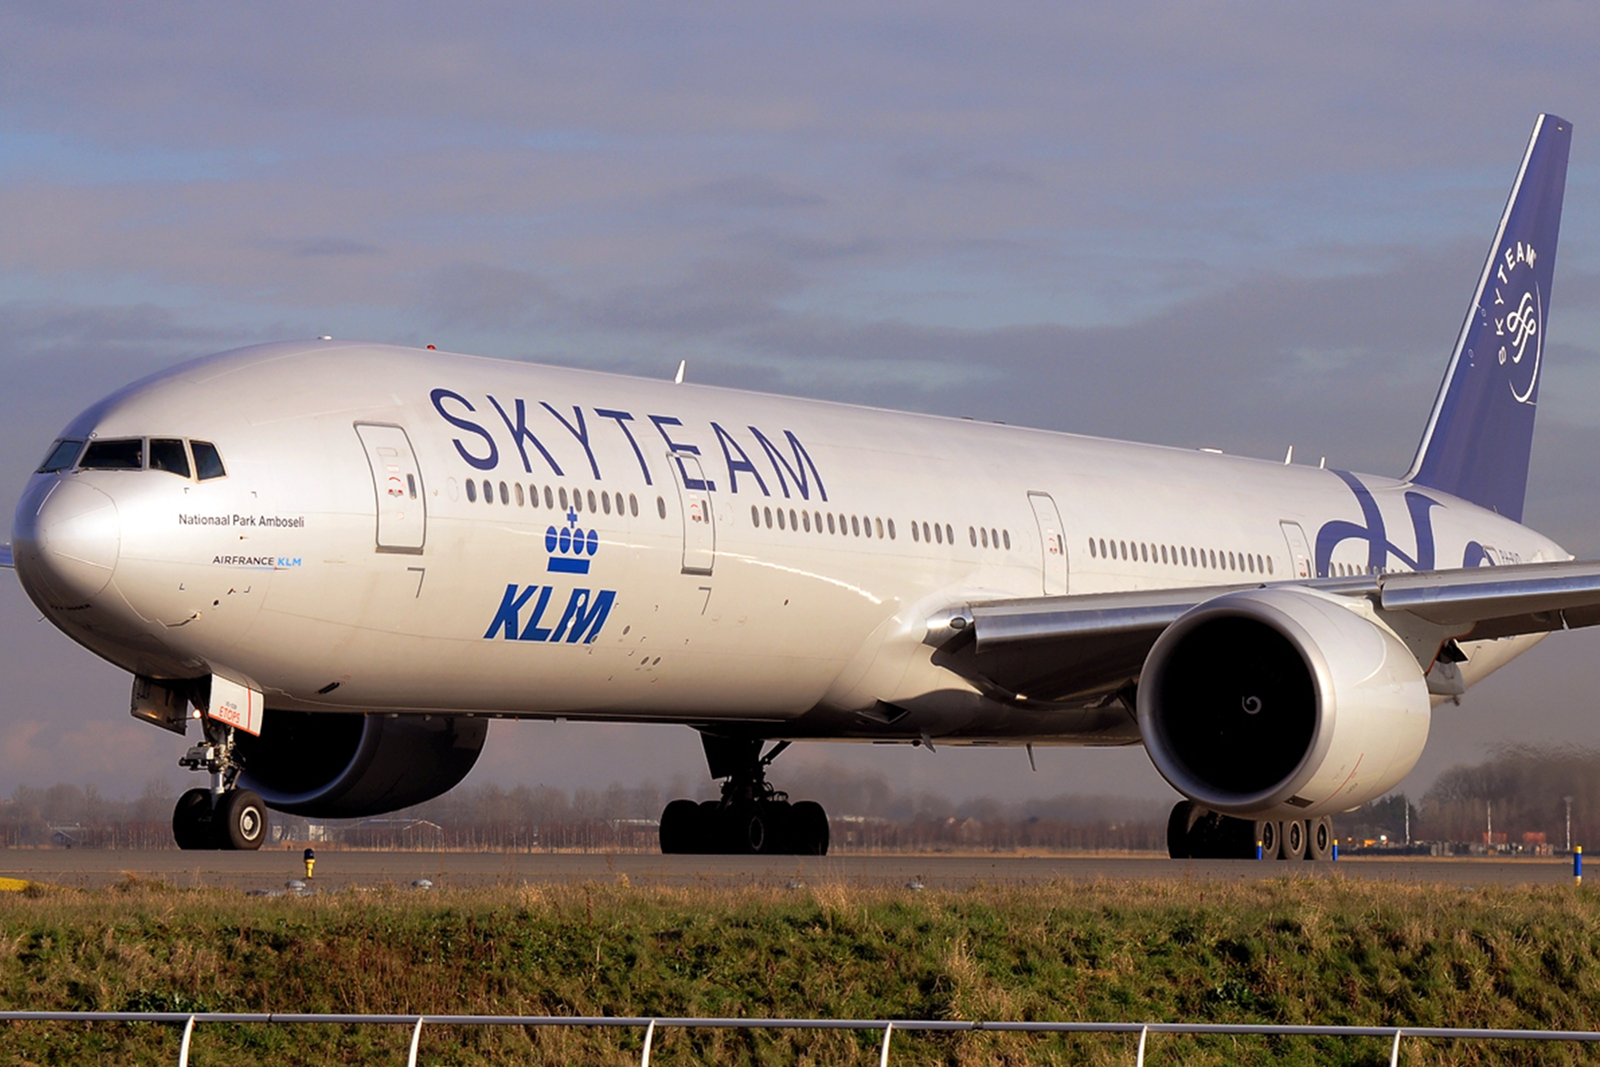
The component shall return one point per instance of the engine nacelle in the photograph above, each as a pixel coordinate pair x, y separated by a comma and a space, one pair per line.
340, 765
1281, 703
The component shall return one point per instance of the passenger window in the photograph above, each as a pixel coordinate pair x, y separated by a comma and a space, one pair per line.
505, 494
577, 501
878, 525
985, 538
520, 500
780, 519
472, 491
916, 534
830, 522
793, 525
994, 537
661, 506
925, 534
488, 492
126, 454
1144, 552
891, 529
949, 533
62, 455
972, 535
207, 460
168, 454
592, 508
768, 513
938, 533
855, 525
411, 485
633, 505
605, 503
1269, 564
805, 517
1006, 536
549, 499
563, 499
755, 516
1163, 553
1092, 551
533, 496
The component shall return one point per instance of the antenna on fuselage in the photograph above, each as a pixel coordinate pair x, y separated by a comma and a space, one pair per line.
1288, 457
677, 379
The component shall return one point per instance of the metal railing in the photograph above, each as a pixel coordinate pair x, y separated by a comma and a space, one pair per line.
889, 1027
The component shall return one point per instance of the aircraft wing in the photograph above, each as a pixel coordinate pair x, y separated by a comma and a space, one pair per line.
1052, 648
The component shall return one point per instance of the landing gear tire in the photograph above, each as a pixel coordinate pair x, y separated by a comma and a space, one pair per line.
808, 829
191, 820
1269, 834
240, 821
1319, 842
1180, 824
680, 827
1294, 840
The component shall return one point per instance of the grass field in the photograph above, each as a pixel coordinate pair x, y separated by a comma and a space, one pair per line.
1289, 951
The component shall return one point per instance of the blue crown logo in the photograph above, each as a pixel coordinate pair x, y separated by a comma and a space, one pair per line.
573, 545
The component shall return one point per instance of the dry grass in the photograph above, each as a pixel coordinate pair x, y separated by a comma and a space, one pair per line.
1286, 951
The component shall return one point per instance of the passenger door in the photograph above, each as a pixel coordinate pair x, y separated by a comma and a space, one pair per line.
397, 483
1052, 541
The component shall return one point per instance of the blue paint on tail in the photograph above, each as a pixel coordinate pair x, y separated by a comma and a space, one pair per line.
1480, 434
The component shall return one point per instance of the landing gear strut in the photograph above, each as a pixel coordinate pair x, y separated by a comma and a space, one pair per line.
223, 816
1194, 832
752, 818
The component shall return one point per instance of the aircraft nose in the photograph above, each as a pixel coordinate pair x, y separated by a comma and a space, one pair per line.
66, 544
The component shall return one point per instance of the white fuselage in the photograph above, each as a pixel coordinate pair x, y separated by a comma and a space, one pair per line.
334, 572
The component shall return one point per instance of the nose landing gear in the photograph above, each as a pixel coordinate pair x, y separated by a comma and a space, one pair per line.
752, 818
223, 816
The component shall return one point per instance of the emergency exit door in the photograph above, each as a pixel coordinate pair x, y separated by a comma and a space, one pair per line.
1052, 543
694, 500
1299, 549
397, 483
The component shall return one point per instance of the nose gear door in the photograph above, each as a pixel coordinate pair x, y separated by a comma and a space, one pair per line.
397, 482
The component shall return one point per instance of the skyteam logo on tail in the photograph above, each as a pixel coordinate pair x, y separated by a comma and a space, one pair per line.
1516, 312
522, 612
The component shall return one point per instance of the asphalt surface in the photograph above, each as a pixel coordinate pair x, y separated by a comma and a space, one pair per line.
270, 870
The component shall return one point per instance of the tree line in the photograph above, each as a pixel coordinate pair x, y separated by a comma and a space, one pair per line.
1523, 789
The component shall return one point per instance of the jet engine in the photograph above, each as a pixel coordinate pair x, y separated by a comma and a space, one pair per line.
1280, 703
333, 765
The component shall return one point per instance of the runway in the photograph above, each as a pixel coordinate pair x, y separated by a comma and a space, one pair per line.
338, 870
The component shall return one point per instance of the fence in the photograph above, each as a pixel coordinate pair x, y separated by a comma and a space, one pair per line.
888, 1027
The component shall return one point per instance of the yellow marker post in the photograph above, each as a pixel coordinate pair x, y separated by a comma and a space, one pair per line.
311, 861
1577, 865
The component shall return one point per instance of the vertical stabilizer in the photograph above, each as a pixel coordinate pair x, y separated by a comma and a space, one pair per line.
1480, 434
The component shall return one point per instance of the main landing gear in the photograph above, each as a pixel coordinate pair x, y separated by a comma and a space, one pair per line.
1194, 832
752, 818
223, 816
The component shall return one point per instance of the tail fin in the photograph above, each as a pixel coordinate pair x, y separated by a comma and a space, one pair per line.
1479, 436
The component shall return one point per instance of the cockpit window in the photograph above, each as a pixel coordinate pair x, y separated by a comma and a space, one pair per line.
62, 455
207, 461
122, 454
168, 454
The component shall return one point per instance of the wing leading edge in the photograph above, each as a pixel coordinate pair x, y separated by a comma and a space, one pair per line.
1081, 647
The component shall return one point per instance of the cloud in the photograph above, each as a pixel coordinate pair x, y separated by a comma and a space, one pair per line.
1244, 229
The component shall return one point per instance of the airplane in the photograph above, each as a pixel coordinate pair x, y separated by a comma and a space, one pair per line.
339, 560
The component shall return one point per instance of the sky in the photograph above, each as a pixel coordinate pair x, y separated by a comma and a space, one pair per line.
1241, 226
